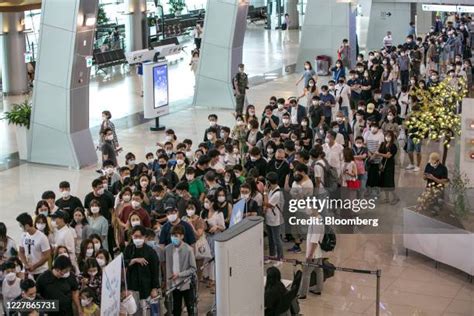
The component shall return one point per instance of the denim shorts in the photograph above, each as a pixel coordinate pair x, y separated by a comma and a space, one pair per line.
412, 147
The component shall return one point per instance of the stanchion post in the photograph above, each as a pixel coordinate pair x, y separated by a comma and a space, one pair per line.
377, 295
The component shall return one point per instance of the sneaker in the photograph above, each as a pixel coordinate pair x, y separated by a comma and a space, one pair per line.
314, 292
277, 264
410, 167
416, 169
295, 249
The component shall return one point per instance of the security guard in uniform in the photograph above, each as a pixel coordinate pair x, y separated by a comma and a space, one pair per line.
240, 83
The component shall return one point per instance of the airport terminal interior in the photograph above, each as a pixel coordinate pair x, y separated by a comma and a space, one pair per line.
157, 135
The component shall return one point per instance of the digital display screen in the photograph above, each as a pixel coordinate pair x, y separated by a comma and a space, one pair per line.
160, 86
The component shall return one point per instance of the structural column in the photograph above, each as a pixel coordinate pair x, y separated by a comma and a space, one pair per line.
326, 24
221, 52
424, 20
136, 34
60, 132
12, 53
292, 10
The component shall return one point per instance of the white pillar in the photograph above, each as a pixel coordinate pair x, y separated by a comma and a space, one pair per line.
292, 10
12, 50
60, 132
221, 53
136, 25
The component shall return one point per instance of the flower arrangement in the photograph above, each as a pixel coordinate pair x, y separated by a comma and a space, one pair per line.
459, 185
437, 118
176, 6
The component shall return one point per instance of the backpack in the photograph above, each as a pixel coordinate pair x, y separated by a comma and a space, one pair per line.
329, 240
331, 179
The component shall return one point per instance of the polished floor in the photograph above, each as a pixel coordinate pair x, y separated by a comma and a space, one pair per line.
410, 286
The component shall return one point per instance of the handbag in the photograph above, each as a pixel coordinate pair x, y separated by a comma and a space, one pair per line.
353, 184
203, 250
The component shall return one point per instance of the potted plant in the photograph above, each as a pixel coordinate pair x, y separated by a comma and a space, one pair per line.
20, 116
176, 6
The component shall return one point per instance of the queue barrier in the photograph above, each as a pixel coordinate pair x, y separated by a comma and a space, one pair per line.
377, 273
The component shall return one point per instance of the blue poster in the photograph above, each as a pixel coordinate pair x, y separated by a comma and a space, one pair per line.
160, 85
237, 212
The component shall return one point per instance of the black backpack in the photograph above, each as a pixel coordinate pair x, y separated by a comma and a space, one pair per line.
329, 240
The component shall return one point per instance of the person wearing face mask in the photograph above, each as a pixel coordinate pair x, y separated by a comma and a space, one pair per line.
256, 161
360, 153
373, 139
89, 307
435, 174
344, 128
280, 109
81, 226
61, 285
108, 125
269, 120
91, 278
388, 41
333, 151
11, 284
273, 203
212, 118
136, 207
285, 128
180, 167
297, 112
172, 221
108, 150
105, 198
338, 71
124, 173
97, 223
240, 84
143, 268
308, 73
63, 234
34, 248
166, 172
28, 291
309, 92
433, 80
67, 202
180, 268
387, 152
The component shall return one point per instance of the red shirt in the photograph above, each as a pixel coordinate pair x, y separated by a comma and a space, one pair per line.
127, 210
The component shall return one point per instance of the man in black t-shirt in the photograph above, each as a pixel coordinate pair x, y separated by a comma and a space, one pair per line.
435, 173
67, 202
105, 198
59, 284
108, 150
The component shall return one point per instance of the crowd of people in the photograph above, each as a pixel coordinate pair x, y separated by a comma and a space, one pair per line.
163, 211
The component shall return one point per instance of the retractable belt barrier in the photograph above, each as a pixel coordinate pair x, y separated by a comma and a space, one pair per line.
377, 273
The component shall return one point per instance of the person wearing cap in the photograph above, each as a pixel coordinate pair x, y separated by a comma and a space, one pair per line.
273, 202
67, 202
174, 220
240, 84
435, 172
63, 234
371, 111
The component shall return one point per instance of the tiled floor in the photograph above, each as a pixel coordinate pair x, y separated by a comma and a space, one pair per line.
410, 286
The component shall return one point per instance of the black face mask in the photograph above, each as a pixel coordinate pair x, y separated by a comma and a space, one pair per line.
163, 165
297, 177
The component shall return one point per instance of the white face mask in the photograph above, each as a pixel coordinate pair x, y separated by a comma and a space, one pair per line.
89, 252
388, 139
126, 198
172, 217
374, 130
101, 262
221, 199
190, 212
85, 302
168, 138
252, 158
390, 117
135, 223
100, 191
136, 204
245, 196
40, 226
212, 123
65, 194
151, 160
131, 162
210, 136
207, 205
286, 121
66, 275
10, 276
95, 209
280, 106
304, 123
138, 242
109, 137
179, 162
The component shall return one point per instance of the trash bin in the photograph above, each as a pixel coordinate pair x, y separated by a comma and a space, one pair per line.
322, 65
